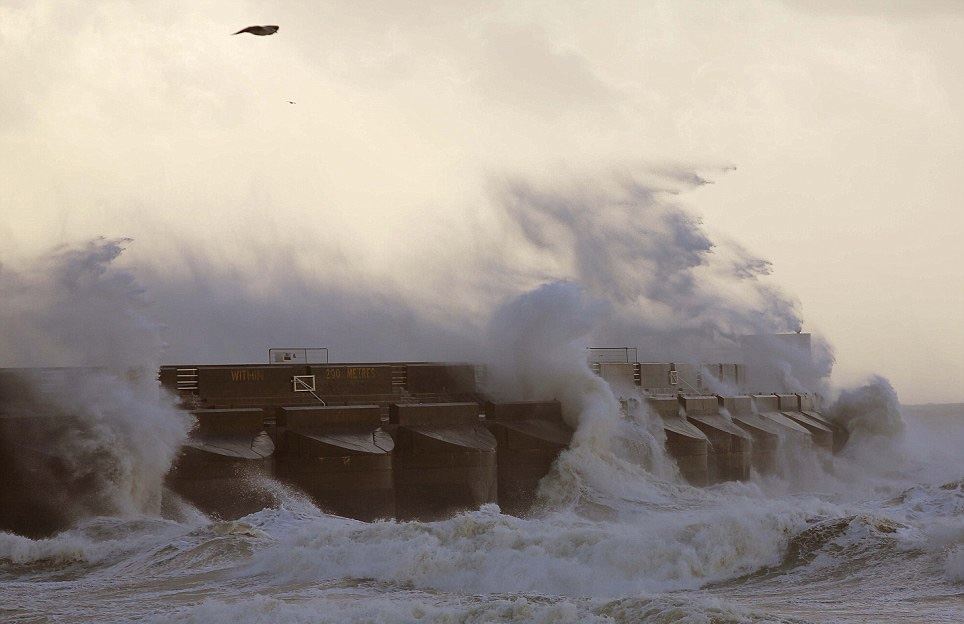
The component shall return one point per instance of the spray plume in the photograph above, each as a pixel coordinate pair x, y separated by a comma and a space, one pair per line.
95, 438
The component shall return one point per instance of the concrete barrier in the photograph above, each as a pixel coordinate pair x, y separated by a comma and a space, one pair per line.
765, 433
620, 377
768, 406
449, 380
688, 376
273, 385
218, 468
340, 457
654, 378
444, 461
684, 442
790, 407
529, 436
240, 386
809, 405
351, 379
729, 453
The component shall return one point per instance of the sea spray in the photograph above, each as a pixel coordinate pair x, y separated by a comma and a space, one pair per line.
870, 410
96, 438
537, 352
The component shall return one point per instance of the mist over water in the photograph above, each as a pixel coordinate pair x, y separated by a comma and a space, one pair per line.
872, 534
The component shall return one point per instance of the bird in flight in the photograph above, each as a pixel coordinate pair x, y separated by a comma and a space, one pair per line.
290, 102
261, 31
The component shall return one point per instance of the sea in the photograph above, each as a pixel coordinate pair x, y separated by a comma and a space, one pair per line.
873, 534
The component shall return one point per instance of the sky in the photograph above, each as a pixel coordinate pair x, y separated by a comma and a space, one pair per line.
829, 135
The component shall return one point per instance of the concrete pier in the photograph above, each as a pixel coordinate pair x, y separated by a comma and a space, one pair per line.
684, 442
444, 460
35, 487
219, 467
790, 407
768, 407
656, 378
340, 457
808, 405
452, 380
765, 433
729, 451
620, 376
529, 436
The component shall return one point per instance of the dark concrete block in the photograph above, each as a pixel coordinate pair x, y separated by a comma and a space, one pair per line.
436, 414
352, 379
529, 436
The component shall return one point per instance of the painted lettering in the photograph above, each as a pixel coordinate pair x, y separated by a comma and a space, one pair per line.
243, 374
351, 373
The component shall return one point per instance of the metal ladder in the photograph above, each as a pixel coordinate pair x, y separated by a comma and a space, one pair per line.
400, 377
186, 380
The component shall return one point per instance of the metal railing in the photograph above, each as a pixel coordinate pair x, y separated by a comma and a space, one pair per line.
296, 355
625, 355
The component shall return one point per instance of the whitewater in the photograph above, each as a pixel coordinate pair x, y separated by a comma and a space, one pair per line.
618, 537
874, 533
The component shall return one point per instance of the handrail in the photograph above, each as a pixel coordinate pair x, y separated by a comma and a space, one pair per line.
625, 353
289, 352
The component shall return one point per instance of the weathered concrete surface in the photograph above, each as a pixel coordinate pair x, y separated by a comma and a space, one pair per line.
620, 377
340, 457
272, 385
239, 386
654, 378
219, 468
790, 407
768, 406
351, 379
729, 454
724, 376
684, 442
766, 433
529, 436
444, 460
35, 486
688, 375
456, 380
808, 405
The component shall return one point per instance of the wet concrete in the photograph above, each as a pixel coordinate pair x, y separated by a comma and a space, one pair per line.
684, 442
444, 459
821, 434
219, 468
766, 434
729, 453
340, 457
529, 436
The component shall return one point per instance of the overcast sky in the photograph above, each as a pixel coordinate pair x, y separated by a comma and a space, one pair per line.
844, 121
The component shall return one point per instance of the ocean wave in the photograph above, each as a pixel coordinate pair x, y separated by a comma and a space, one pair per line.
365, 604
563, 553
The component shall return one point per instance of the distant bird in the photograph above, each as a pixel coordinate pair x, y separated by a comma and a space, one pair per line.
290, 102
261, 31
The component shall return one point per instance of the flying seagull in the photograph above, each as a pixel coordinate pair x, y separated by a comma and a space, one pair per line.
261, 31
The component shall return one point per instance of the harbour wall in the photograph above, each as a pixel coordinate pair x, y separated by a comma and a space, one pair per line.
421, 440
